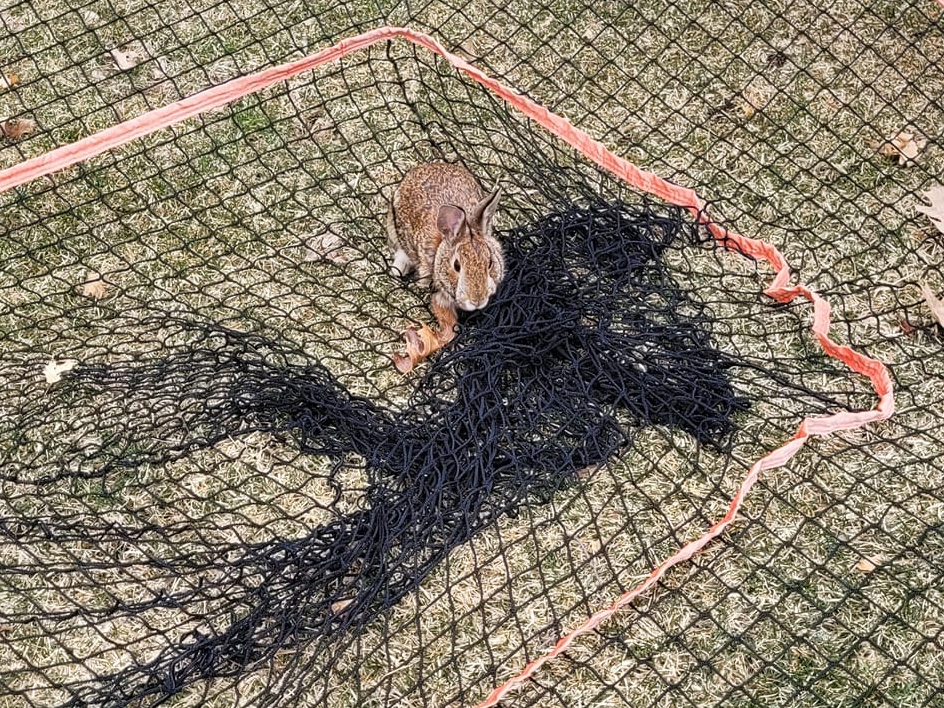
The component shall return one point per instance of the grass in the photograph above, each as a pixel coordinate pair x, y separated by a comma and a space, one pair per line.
212, 218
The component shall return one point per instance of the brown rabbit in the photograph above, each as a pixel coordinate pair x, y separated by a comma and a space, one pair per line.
440, 224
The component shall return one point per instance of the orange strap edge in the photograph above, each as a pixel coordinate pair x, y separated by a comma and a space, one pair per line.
779, 289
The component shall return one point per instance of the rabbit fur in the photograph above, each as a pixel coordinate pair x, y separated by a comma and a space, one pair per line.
439, 225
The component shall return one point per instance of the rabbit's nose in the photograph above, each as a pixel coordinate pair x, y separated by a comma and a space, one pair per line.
468, 304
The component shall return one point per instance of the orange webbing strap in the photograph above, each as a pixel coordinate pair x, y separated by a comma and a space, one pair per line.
779, 289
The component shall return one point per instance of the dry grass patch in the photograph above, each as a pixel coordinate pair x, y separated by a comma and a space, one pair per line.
212, 218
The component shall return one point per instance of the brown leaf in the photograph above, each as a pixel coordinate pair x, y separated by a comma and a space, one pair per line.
55, 369
870, 563
16, 128
8, 81
329, 247
935, 305
935, 211
338, 606
902, 146
469, 49
94, 286
420, 342
125, 59
324, 131
11, 23
907, 328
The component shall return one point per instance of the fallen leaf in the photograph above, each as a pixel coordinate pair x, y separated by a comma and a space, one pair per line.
935, 305
403, 363
338, 606
420, 342
322, 129
870, 563
125, 59
902, 146
907, 328
159, 70
469, 48
329, 247
94, 286
742, 106
55, 369
935, 210
10, 23
16, 128
8, 81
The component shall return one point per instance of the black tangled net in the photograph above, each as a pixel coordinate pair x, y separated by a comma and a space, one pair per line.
587, 340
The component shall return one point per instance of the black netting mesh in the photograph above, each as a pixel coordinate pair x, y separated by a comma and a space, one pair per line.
233, 498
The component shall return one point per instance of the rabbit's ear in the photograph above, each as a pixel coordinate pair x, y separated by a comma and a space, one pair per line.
450, 220
482, 213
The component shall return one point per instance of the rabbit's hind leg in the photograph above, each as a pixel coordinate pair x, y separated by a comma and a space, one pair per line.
402, 265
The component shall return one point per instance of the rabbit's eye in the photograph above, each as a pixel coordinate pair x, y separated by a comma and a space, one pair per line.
455, 264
